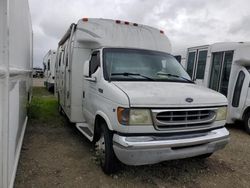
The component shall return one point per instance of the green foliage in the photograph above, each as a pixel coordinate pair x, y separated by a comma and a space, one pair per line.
43, 107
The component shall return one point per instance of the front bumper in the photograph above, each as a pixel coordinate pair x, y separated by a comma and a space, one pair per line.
141, 150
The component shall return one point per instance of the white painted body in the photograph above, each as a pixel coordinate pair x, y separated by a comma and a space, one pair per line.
49, 69
84, 99
240, 62
15, 83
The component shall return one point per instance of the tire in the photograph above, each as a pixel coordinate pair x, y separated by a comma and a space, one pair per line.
51, 89
247, 122
59, 107
104, 147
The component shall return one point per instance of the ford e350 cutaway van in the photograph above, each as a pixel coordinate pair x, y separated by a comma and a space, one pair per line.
119, 84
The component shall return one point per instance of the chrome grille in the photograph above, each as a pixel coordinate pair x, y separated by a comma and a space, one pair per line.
180, 118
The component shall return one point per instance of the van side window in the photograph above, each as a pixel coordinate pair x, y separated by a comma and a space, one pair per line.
48, 64
60, 58
238, 88
94, 63
67, 59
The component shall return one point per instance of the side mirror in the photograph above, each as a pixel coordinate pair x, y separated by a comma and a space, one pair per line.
86, 69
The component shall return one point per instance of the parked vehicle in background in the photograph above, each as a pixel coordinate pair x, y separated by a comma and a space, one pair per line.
37, 72
178, 58
119, 84
224, 67
181, 59
15, 83
49, 69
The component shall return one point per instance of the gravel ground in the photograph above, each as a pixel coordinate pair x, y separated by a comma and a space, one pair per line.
55, 154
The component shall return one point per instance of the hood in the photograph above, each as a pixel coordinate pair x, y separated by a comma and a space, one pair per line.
170, 94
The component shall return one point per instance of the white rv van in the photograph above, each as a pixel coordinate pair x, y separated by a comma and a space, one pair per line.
15, 83
224, 67
123, 90
49, 69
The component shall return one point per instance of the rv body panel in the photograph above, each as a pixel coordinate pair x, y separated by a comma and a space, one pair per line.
94, 34
15, 83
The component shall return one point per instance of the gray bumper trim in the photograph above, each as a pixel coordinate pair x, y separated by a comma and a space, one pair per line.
142, 150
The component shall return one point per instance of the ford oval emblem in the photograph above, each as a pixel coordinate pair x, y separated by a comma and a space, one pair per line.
189, 100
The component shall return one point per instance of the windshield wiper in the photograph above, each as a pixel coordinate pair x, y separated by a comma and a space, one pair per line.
132, 74
176, 76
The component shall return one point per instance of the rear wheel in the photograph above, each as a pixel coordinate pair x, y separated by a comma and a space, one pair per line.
51, 89
105, 152
60, 109
247, 122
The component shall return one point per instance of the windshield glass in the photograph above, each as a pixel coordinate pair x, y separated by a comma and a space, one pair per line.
141, 65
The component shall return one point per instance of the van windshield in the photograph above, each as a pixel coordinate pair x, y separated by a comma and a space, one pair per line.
122, 64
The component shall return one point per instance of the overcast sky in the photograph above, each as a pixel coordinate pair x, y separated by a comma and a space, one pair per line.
186, 22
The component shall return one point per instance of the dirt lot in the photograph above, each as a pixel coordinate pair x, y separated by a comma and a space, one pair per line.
55, 154
38, 82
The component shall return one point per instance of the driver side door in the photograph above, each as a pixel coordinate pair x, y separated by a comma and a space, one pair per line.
90, 88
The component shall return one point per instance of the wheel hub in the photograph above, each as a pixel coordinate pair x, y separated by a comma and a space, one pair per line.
100, 148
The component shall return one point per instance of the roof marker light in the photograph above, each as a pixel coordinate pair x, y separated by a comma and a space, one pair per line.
126, 23
118, 21
85, 19
161, 31
135, 24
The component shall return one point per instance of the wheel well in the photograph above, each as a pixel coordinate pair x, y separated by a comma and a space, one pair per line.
97, 130
245, 112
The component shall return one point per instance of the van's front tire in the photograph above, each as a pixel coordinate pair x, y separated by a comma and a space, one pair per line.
104, 147
247, 122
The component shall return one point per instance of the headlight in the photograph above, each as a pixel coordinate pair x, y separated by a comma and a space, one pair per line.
140, 117
127, 116
221, 113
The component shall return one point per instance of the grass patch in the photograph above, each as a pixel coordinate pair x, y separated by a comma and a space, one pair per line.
43, 107
41, 92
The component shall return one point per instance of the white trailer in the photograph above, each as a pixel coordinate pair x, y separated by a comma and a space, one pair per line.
123, 90
224, 67
49, 69
15, 83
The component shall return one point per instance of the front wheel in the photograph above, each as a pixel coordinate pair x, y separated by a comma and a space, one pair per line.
105, 152
247, 122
